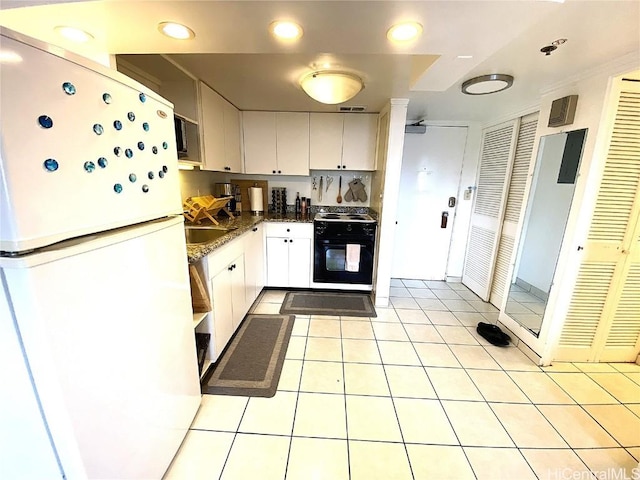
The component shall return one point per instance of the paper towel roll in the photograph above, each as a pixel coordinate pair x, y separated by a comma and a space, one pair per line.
255, 199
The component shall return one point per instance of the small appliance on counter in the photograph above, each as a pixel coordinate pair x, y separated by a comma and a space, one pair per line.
226, 190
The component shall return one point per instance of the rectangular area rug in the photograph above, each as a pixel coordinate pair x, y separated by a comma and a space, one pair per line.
251, 364
328, 303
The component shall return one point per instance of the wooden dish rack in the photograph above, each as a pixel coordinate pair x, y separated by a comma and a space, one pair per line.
197, 209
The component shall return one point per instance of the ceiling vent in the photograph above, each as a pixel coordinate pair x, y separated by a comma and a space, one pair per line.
563, 111
353, 108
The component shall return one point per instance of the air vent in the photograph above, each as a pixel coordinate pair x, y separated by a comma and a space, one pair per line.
563, 111
354, 108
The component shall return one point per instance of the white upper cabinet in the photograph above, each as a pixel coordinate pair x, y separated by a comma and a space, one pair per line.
325, 141
220, 132
259, 130
359, 141
276, 143
342, 141
292, 143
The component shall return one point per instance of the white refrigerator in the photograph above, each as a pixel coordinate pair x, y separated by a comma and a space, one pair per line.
99, 374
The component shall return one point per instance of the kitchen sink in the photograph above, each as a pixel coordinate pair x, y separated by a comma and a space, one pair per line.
196, 235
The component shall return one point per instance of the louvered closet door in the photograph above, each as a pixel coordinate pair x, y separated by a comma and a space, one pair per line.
603, 322
513, 209
496, 160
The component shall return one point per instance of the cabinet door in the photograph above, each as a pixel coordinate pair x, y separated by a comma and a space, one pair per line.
212, 131
277, 262
238, 295
222, 311
299, 262
254, 264
259, 130
359, 141
325, 141
292, 134
233, 159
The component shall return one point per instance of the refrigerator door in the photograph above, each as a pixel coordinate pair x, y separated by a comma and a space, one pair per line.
83, 149
106, 325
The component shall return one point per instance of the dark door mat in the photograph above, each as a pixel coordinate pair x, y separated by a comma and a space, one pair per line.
328, 303
251, 365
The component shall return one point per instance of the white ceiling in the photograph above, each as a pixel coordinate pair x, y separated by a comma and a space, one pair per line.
234, 53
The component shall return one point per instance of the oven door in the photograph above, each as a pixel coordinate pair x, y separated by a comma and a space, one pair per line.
330, 264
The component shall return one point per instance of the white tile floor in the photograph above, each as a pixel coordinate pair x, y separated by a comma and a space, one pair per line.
415, 393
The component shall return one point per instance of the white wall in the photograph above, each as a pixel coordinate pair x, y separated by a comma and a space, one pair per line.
548, 209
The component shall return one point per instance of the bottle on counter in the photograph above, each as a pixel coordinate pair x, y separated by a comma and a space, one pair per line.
303, 206
298, 204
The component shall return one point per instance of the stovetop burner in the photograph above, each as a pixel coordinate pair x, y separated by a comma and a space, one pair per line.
344, 217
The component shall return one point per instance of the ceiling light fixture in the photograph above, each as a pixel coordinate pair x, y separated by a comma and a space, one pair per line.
404, 32
331, 87
485, 84
74, 34
176, 30
286, 30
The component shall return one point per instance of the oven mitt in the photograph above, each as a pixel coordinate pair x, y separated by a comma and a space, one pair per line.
348, 197
357, 190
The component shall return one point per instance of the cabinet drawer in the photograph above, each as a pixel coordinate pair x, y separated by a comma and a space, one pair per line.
291, 230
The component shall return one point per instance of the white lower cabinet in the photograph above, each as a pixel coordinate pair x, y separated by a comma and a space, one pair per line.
289, 254
254, 262
228, 302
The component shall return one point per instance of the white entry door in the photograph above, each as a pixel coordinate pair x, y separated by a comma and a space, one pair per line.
431, 168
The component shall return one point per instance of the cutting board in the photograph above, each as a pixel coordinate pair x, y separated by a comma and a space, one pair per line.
244, 191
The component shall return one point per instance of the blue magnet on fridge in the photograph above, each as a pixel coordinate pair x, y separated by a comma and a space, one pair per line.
143, 97
150, 175
45, 121
165, 169
165, 145
69, 88
89, 166
102, 162
154, 149
128, 152
132, 177
98, 129
117, 188
145, 126
106, 98
145, 188
51, 165
131, 116
117, 151
140, 145
117, 125
161, 174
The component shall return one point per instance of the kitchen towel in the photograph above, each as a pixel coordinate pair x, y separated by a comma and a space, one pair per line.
255, 199
352, 261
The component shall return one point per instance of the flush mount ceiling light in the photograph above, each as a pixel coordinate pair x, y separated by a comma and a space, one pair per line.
485, 84
74, 34
285, 30
176, 30
331, 87
404, 32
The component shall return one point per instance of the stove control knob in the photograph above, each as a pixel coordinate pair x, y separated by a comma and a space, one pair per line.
349, 227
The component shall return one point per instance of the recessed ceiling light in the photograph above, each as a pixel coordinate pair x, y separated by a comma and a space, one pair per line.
286, 30
485, 84
465, 57
404, 32
74, 34
176, 30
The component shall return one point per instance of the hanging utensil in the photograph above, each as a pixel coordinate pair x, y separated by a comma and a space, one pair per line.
315, 184
329, 182
339, 199
320, 190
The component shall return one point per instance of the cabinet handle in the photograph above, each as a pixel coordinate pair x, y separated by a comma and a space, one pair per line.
273, 171
344, 167
255, 229
339, 167
291, 241
288, 229
279, 171
230, 267
285, 240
